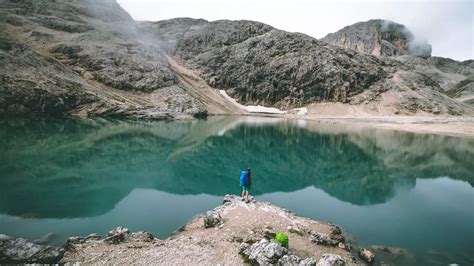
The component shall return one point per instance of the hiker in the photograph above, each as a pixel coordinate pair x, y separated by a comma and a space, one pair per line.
245, 183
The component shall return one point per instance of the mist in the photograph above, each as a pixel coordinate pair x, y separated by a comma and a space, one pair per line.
447, 25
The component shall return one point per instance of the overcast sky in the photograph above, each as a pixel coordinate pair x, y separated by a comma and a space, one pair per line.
448, 25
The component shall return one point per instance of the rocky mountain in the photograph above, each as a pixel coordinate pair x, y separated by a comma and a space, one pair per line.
83, 57
386, 38
89, 58
380, 38
456, 79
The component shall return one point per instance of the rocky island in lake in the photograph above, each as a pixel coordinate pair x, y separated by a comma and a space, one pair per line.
119, 137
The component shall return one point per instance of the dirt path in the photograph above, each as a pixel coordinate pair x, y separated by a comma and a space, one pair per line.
196, 87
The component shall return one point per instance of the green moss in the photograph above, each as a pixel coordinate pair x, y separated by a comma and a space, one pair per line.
282, 239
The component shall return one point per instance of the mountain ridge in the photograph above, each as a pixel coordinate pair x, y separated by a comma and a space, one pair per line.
106, 64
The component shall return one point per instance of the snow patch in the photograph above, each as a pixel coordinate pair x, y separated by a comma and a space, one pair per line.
253, 108
302, 111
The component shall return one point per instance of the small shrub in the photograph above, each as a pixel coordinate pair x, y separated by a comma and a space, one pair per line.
282, 239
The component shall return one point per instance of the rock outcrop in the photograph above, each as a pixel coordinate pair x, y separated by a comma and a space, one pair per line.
212, 219
380, 38
331, 260
19, 251
117, 235
263, 252
366, 255
240, 237
235, 241
84, 58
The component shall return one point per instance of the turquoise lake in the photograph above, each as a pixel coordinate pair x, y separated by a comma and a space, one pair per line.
66, 177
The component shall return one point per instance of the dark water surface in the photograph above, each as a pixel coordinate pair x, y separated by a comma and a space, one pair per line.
75, 177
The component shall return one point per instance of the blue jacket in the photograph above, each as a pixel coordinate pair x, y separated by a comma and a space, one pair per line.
244, 179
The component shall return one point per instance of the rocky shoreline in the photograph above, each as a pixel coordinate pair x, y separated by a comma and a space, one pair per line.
235, 233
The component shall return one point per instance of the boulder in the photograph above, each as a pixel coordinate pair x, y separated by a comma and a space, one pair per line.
336, 234
307, 262
331, 260
288, 260
230, 198
366, 255
117, 235
323, 239
72, 241
211, 219
13, 251
263, 252
344, 246
142, 236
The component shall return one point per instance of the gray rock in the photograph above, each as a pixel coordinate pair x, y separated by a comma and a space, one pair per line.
323, 239
289, 260
211, 219
263, 252
93, 237
142, 236
344, 246
380, 38
71, 242
307, 262
336, 233
20, 250
366, 255
230, 198
117, 235
331, 260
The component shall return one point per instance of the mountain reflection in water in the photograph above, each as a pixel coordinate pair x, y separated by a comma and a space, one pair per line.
88, 166
81, 176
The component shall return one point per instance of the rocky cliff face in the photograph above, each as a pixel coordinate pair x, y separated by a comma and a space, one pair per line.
258, 64
90, 58
380, 38
261, 65
86, 58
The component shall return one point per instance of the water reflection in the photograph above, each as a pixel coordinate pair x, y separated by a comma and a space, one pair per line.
142, 209
83, 168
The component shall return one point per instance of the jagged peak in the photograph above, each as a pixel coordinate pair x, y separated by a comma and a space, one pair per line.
380, 37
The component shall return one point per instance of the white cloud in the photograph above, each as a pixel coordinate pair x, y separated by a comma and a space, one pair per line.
447, 25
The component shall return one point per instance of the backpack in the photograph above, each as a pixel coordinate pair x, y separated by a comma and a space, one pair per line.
244, 178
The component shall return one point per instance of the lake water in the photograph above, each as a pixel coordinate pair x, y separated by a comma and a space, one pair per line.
75, 177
